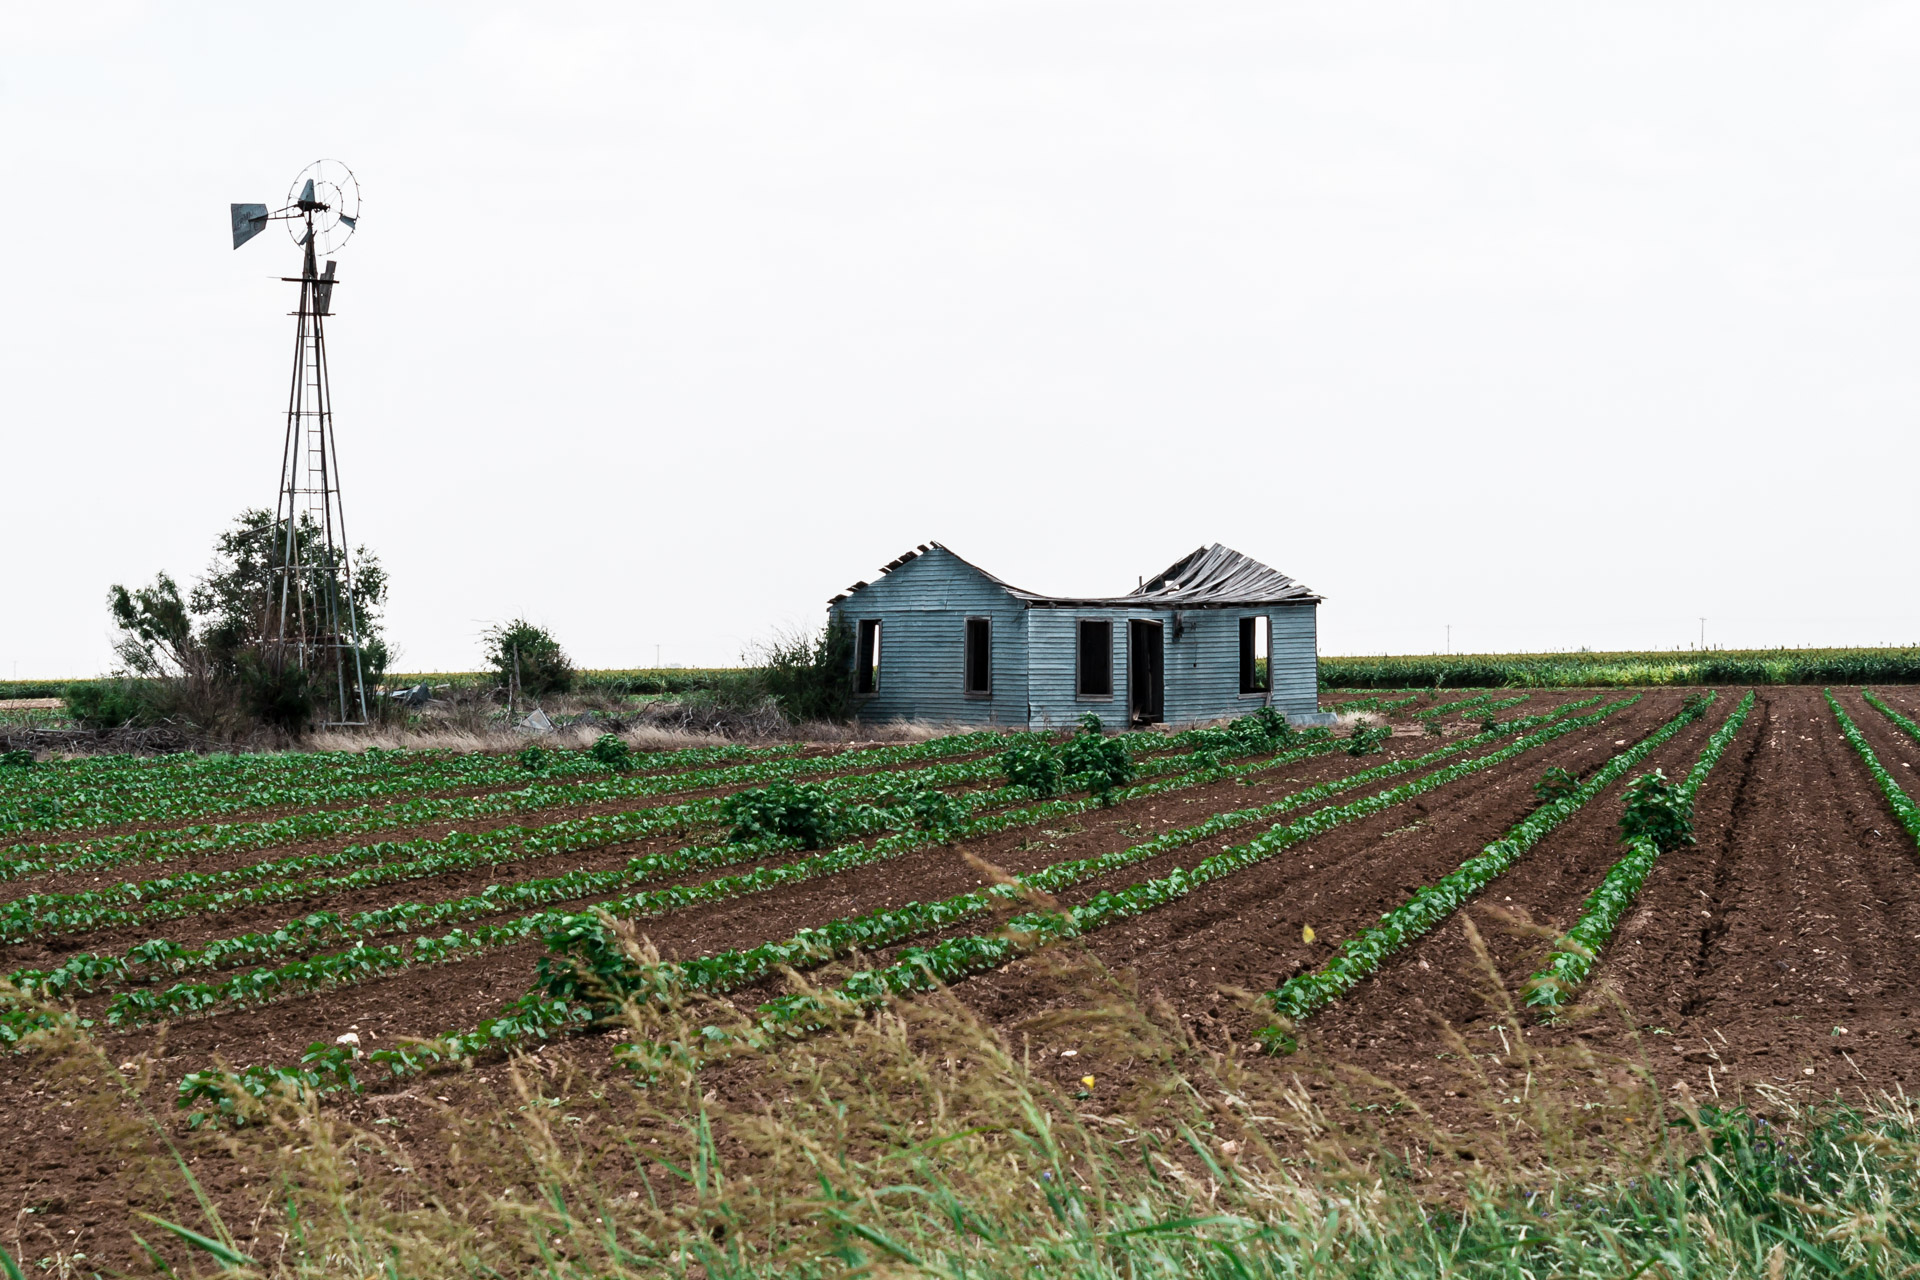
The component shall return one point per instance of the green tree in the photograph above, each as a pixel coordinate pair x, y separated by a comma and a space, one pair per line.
528, 657
811, 677
198, 655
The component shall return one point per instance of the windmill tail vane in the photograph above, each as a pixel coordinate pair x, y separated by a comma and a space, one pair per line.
310, 620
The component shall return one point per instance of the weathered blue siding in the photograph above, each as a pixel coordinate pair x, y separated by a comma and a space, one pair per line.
1053, 646
923, 607
1295, 662
1203, 667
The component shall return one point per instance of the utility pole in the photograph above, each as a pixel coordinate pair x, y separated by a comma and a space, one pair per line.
1449, 639
1703, 633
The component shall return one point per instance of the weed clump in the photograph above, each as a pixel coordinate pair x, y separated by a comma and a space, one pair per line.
613, 752
1032, 764
1367, 739
802, 811
1657, 810
1556, 784
1099, 763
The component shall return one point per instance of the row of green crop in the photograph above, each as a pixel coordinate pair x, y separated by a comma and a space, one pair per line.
359, 962
1381, 704
153, 797
956, 958
193, 892
585, 957
1449, 708
102, 852
58, 776
1904, 809
394, 861
84, 973
105, 852
1579, 948
1595, 670
538, 1015
1429, 906
1900, 722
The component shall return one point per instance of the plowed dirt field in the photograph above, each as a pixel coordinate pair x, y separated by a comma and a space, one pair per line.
1778, 950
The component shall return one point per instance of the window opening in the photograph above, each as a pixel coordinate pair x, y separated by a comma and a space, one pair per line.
1096, 659
1254, 655
979, 655
866, 657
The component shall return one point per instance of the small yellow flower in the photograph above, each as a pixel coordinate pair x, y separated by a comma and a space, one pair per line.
1306, 933
1087, 1081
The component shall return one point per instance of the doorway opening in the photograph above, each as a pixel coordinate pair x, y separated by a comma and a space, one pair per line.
1146, 670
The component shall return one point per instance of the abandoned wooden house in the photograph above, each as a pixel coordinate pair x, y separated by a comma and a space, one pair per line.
1217, 634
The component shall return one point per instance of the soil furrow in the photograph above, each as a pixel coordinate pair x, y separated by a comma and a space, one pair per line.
436, 998
1397, 1023
1808, 984
1246, 932
74, 881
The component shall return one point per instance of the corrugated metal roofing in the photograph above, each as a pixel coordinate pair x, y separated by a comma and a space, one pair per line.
1211, 578
1218, 575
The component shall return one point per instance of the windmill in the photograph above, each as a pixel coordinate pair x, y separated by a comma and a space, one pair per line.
311, 620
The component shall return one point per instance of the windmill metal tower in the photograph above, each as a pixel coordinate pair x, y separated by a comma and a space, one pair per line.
310, 616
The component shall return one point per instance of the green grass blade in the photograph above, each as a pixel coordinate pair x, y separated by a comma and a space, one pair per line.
229, 1257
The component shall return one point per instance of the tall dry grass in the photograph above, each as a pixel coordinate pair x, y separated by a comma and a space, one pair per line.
925, 1141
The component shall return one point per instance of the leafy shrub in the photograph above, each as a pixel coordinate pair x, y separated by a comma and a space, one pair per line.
1489, 722
730, 696
523, 655
1556, 784
203, 655
1032, 765
938, 811
1210, 740
1367, 739
1436, 729
811, 677
278, 693
1265, 723
16, 759
532, 759
1103, 762
113, 704
907, 805
1091, 723
797, 810
1656, 809
612, 751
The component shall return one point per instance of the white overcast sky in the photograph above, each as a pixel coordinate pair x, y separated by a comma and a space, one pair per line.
1561, 325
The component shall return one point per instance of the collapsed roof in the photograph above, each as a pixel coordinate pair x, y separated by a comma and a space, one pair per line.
1213, 577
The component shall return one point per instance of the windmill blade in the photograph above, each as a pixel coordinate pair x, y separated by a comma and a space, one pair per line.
306, 192
352, 223
249, 220
323, 290
304, 234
